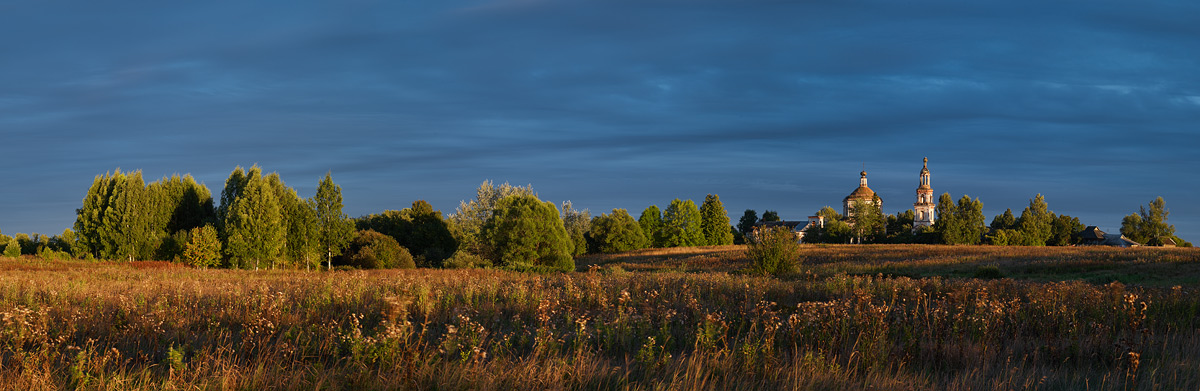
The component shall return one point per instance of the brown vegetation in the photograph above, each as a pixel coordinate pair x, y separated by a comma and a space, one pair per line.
111, 326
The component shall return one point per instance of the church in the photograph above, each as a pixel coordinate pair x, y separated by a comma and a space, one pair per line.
923, 209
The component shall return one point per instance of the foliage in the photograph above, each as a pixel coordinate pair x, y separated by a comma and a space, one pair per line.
829, 213
652, 226
1004, 220
774, 250
12, 249
373, 250
1064, 231
866, 219
577, 223
466, 260
898, 227
1036, 222
616, 232
714, 222
524, 231
747, 222
681, 225
1149, 226
962, 223
769, 216
418, 228
203, 249
471, 216
334, 228
255, 229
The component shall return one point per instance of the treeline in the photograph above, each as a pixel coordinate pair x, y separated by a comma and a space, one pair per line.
963, 222
260, 222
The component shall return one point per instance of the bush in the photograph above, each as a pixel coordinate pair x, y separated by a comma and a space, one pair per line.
617, 232
373, 250
774, 250
988, 272
13, 249
466, 260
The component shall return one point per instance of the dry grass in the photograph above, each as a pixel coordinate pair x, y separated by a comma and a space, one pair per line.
113, 326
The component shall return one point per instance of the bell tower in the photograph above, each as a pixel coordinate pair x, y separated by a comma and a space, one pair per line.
923, 209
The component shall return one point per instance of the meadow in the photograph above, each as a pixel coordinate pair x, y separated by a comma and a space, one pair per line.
857, 317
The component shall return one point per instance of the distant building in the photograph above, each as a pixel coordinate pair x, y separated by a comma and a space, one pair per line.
862, 193
1092, 236
923, 209
798, 228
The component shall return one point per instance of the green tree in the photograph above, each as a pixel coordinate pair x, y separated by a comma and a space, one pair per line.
12, 249
1005, 220
969, 214
866, 220
681, 225
899, 227
769, 216
577, 222
373, 250
774, 250
469, 219
1149, 226
714, 222
334, 228
177, 204
254, 224
828, 213
299, 224
203, 248
617, 232
1036, 222
420, 228
652, 225
525, 232
1064, 231
747, 222
947, 226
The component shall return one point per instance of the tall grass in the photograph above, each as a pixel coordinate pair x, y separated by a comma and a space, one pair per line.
113, 326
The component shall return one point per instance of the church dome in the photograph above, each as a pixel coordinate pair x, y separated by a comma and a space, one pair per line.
861, 193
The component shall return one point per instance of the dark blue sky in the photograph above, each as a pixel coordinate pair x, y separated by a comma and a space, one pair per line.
610, 103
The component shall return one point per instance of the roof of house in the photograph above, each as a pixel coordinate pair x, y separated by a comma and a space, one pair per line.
1091, 232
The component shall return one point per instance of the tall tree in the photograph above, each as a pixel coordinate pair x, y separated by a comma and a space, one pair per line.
866, 220
947, 225
770, 215
1005, 220
254, 224
470, 217
1036, 221
681, 225
714, 222
577, 222
1064, 231
526, 232
1149, 226
299, 224
334, 228
652, 225
128, 220
969, 214
616, 232
747, 222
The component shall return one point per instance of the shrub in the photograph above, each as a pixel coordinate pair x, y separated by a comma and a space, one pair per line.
373, 250
13, 249
466, 260
774, 250
989, 272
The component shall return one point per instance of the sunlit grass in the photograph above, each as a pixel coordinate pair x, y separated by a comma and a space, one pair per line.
843, 325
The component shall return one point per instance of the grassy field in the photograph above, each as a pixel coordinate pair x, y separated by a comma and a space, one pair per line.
858, 317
